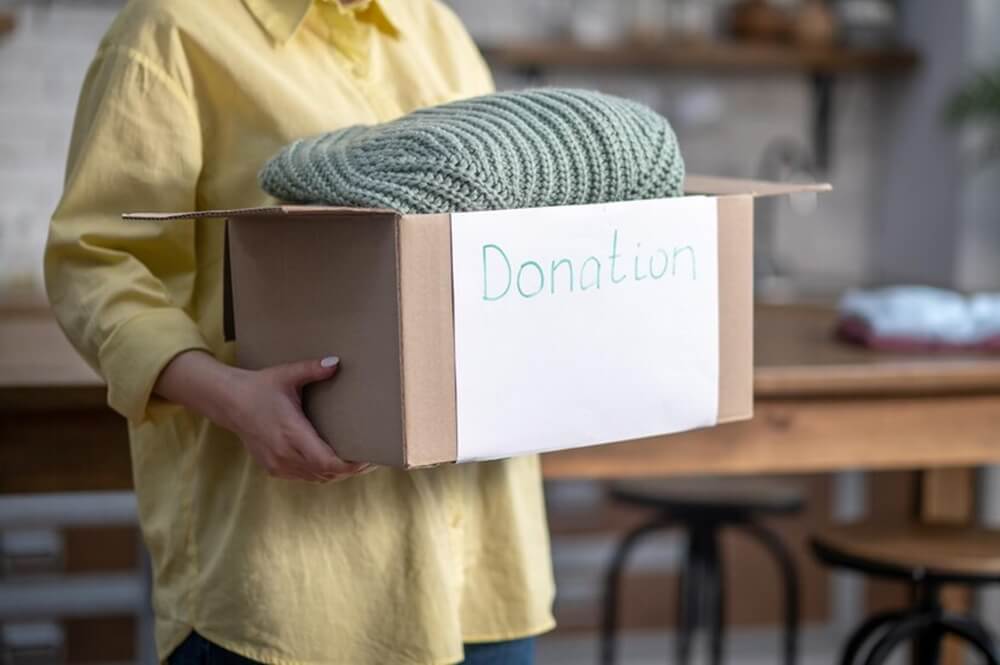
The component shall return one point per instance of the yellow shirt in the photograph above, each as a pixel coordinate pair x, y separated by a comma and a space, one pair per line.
184, 102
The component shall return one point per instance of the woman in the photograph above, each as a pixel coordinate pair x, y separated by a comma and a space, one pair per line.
257, 555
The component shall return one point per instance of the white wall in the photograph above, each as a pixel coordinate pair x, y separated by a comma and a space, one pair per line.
979, 240
918, 221
42, 65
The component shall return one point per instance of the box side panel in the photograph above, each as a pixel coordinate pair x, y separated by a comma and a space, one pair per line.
735, 308
309, 288
428, 335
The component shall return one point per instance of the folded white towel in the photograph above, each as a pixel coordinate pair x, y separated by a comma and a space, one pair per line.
925, 314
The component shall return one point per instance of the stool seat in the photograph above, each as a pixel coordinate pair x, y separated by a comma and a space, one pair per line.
928, 557
915, 551
734, 496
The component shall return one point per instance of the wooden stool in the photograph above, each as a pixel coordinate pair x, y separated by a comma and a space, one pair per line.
927, 557
702, 508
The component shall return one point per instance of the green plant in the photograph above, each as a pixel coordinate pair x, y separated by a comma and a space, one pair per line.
977, 104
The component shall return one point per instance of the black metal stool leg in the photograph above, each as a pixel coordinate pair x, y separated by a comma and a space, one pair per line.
927, 645
791, 583
715, 595
865, 632
609, 618
972, 632
973, 626
689, 598
905, 629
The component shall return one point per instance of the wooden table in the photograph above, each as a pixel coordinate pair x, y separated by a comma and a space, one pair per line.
821, 406
56, 432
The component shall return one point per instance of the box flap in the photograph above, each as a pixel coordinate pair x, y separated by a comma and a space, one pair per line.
263, 211
693, 184
717, 186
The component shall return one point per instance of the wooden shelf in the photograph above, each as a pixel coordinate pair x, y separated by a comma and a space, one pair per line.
7, 23
821, 64
732, 57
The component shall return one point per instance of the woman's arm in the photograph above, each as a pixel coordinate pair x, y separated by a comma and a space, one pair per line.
120, 289
263, 408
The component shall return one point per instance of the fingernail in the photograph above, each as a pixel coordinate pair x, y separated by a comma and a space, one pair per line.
330, 361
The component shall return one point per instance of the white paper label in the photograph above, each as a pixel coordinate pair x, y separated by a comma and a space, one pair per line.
580, 325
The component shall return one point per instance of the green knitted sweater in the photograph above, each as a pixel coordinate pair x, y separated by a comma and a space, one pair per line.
533, 148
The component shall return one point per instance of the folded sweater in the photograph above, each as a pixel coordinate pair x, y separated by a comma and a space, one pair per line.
532, 148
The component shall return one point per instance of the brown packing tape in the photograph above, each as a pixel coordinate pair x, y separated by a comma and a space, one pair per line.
735, 307
430, 420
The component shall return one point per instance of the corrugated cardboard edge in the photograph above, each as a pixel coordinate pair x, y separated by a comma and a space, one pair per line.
735, 308
260, 211
693, 184
427, 339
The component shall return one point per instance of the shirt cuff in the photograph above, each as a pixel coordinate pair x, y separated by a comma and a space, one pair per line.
134, 355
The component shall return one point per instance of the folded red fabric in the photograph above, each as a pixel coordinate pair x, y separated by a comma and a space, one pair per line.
858, 330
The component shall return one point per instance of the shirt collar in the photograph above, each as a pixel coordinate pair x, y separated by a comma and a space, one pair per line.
282, 18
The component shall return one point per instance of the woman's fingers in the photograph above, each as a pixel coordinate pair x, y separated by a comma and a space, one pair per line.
298, 374
320, 458
287, 444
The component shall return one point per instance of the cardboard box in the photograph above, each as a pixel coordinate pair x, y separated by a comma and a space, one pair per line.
484, 335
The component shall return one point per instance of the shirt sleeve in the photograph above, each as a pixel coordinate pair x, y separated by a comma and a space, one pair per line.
119, 289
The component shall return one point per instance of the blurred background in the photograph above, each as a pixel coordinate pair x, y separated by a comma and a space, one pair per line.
851, 92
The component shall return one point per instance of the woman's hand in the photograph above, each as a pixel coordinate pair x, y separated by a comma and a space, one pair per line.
263, 408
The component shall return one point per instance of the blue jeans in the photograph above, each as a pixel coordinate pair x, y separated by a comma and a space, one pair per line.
196, 650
